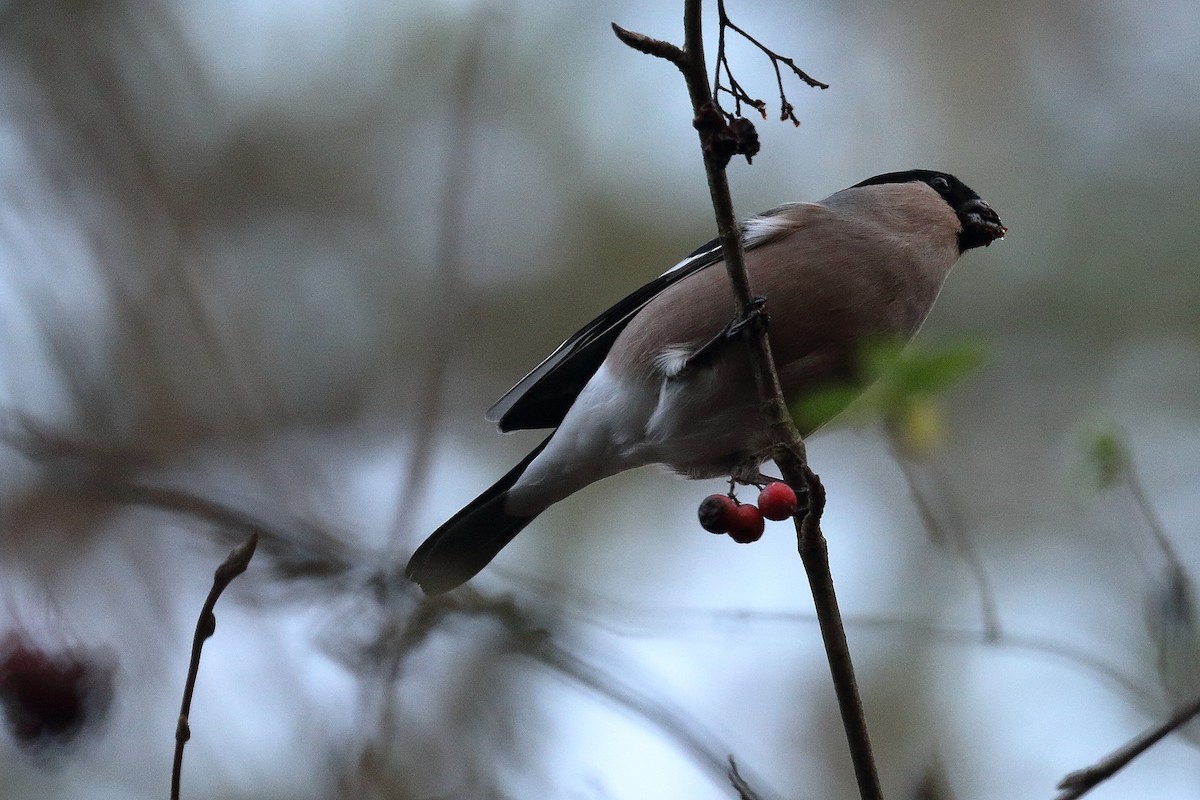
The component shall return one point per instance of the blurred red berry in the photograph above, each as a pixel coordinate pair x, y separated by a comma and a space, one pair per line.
716, 511
777, 501
746, 524
50, 698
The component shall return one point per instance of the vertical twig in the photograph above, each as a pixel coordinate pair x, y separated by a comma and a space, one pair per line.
789, 452
235, 564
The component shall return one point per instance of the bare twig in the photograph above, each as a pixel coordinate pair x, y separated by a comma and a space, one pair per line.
789, 452
734, 89
1080, 782
651, 47
206, 625
786, 110
675, 723
814, 552
745, 792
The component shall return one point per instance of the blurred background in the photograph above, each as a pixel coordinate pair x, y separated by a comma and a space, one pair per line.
263, 266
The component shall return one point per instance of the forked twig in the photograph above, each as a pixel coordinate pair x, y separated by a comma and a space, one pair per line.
235, 564
786, 110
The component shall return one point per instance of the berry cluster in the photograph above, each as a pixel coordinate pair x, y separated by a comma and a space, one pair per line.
722, 513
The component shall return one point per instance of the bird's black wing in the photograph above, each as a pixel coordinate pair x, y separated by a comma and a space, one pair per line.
541, 399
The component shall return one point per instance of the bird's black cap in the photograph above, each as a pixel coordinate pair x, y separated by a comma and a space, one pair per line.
980, 223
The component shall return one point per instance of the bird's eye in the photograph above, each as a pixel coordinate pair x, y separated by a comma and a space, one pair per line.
940, 184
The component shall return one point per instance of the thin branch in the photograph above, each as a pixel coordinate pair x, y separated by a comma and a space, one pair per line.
814, 552
301, 551
786, 110
776, 58
206, 625
745, 792
735, 89
1080, 782
673, 722
1110, 455
789, 451
651, 47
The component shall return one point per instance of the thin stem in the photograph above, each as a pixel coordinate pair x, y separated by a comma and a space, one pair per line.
650, 46
776, 58
786, 110
235, 564
744, 790
1080, 782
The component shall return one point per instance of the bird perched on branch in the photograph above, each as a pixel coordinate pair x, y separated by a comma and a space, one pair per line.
659, 378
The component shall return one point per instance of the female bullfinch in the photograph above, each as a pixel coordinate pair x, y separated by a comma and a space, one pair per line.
653, 380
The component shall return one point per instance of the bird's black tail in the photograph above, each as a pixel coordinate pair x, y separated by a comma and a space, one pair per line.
465, 543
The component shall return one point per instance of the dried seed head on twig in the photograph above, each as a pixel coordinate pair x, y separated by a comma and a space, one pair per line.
721, 140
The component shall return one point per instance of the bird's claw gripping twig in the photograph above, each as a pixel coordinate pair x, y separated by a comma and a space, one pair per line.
755, 319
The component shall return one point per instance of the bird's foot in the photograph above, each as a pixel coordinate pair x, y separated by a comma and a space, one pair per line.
749, 474
750, 477
755, 319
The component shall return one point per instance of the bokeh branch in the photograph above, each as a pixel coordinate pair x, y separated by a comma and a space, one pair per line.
528, 636
1080, 782
926, 486
788, 452
297, 549
465, 101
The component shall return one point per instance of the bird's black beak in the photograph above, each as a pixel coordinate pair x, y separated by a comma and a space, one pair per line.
981, 225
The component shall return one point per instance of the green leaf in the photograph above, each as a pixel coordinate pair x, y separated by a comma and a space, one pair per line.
815, 409
925, 370
892, 380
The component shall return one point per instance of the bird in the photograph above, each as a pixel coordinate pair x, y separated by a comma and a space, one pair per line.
659, 379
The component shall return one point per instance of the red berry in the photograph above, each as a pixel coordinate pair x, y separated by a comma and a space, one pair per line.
41, 697
746, 524
777, 501
50, 697
716, 511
